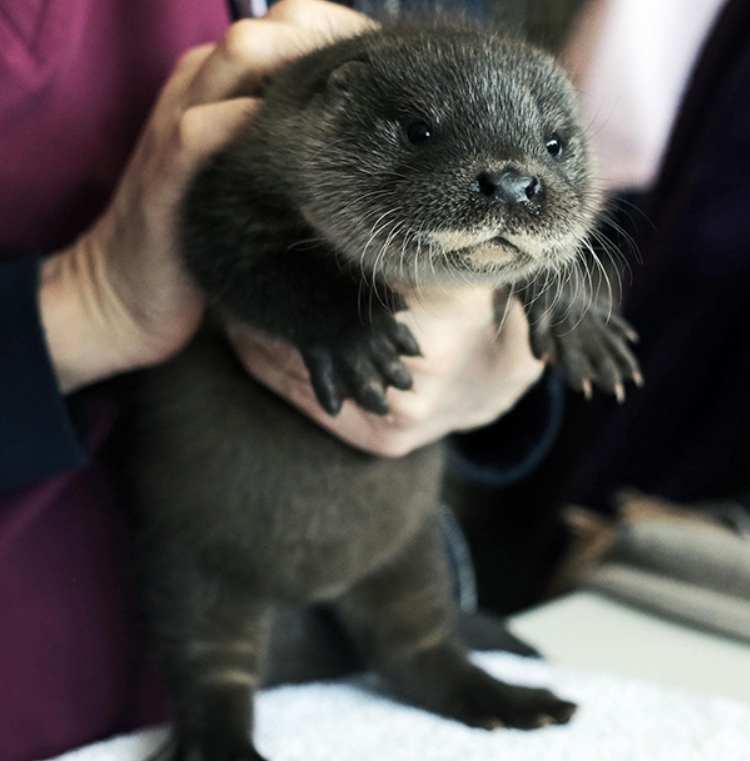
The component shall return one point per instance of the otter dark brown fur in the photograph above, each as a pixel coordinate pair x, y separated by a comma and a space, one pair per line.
403, 157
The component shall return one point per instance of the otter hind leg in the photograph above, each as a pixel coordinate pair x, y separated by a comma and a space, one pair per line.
403, 620
216, 727
211, 648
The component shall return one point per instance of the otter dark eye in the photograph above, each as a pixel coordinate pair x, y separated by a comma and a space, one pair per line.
418, 133
554, 145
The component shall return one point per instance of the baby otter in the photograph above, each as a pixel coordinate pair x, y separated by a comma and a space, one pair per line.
403, 157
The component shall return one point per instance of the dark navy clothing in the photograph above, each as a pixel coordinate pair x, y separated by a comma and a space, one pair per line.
686, 434
38, 438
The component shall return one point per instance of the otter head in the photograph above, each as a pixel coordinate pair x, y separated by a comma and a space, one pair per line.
446, 153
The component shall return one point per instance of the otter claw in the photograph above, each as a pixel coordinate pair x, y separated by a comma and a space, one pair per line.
361, 364
323, 379
397, 375
372, 398
405, 341
619, 392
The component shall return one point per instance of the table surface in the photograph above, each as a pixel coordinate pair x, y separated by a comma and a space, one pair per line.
588, 631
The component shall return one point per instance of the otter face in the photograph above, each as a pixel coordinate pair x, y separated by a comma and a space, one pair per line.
447, 153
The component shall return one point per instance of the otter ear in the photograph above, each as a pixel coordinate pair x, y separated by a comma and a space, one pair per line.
343, 78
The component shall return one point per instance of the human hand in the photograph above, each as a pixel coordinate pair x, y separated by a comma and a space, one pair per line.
470, 372
119, 298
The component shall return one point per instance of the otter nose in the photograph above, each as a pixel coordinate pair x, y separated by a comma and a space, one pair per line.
507, 187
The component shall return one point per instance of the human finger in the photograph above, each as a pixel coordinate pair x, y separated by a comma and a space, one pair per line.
331, 19
207, 128
245, 56
172, 96
253, 49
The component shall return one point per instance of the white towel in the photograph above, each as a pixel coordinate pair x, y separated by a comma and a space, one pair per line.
354, 720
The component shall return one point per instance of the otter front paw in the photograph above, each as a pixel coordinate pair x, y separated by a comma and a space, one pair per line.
360, 363
583, 338
591, 348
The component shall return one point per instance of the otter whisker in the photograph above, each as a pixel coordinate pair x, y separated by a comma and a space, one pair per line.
503, 318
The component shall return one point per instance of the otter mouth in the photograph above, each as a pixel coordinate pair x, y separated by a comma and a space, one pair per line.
465, 244
485, 253
500, 243
495, 256
495, 250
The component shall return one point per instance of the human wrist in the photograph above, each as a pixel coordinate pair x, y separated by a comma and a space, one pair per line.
89, 334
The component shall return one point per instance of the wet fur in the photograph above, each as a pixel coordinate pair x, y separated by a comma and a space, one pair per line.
304, 228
